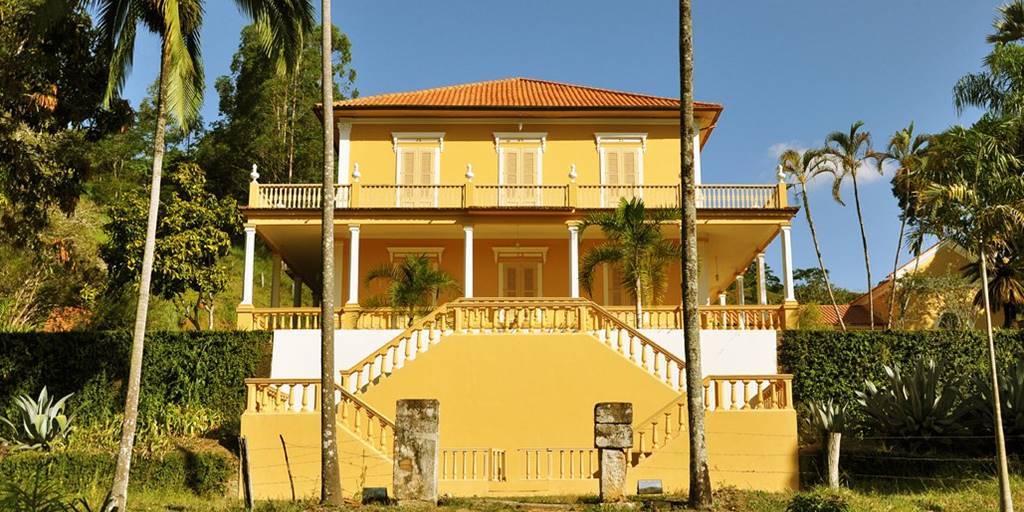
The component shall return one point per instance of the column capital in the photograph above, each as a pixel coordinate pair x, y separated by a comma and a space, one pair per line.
573, 225
760, 255
249, 228
467, 228
353, 228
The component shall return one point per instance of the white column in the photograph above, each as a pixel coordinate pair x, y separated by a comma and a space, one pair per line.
467, 287
696, 158
721, 299
762, 288
739, 291
574, 261
353, 264
787, 263
275, 280
296, 291
344, 130
250, 250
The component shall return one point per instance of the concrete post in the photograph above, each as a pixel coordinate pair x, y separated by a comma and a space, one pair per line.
416, 452
787, 263
613, 436
574, 260
762, 288
250, 252
467, 287
353, 264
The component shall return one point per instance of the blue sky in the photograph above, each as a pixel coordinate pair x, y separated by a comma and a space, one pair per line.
787, 71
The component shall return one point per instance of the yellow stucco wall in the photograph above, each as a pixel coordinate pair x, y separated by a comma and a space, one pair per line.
373, 149
519, 392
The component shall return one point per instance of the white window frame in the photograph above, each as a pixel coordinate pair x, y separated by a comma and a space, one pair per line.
435, 252
540, 138
397, 138
600, 138
500, 252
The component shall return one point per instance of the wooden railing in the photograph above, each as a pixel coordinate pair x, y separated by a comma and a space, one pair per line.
302, 396
473, 464
757, 317
269, 319
356, 195
560, 463
746, 392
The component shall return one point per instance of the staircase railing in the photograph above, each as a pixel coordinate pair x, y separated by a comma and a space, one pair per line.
302, 396
746, 392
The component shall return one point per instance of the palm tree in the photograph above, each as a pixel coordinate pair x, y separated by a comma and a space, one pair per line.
1009, 25
851, 150
973, 195
802, 168
180, 94
909, 151
413, 285
700, 478
636, 246
1005, 284
330, 470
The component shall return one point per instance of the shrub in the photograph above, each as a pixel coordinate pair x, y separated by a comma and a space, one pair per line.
835, 364
914, 406
1011, 394
39, 423
190, 370
819, 501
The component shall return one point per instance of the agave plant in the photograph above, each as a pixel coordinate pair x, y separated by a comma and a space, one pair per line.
40, 423
1011, 393
913, 407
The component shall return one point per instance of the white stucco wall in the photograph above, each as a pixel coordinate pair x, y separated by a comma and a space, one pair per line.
724, 352
297, 352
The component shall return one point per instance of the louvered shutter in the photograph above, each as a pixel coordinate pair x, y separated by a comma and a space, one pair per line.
511, 168
629, 167
611, 167
426, 170
408, 174
511, 279
529, 171
529, 280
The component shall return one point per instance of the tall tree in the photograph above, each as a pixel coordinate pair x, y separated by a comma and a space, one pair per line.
700, 477
974, 196
802, 168
179, 94
850, 152
909, 151
635, 245
330, 480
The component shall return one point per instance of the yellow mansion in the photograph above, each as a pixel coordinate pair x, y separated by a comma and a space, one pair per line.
490, 181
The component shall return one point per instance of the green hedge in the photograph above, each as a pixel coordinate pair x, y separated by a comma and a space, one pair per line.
203, 473
184, 368
835, 364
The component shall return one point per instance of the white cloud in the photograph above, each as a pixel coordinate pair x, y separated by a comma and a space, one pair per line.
867, 174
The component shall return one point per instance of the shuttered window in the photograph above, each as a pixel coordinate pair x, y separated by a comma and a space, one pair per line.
416, 170
519, 175
621, 173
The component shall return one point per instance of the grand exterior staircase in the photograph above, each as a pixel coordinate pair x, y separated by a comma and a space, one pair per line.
536, 316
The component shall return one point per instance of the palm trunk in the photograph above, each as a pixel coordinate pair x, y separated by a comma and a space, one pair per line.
1005, 496
330, 482
119, 488
895, 267
864, 241
817, 251
639, 306
917, 266
834, 440
700, 478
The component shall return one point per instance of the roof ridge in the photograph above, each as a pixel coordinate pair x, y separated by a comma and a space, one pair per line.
441, 88
598, 89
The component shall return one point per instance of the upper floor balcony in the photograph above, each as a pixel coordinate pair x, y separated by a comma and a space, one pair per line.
494, 196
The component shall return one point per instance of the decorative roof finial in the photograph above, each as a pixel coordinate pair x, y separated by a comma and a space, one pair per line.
355, 172
780, 174
469, 172
572, 173
255, 175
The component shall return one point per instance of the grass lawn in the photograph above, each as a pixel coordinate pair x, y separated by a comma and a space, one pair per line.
907, 496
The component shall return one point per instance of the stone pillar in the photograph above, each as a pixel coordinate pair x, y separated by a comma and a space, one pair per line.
787, 263
467, 287
613, 436
762, 286
417, 449
740, 299
353, 264
250, 254
574, 260
275, 280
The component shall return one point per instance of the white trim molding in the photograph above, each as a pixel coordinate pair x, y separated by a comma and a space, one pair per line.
520, 252
399, 137
541, 137
415, 251
639, 137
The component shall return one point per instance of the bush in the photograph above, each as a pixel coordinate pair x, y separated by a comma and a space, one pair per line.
192, 370
821, 501
835, 364
202, 473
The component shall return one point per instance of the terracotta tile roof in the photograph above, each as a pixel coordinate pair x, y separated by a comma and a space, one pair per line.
519, 93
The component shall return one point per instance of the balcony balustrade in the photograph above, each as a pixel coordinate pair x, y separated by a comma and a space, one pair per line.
379, 196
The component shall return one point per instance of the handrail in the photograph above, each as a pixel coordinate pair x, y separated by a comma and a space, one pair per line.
770, 392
